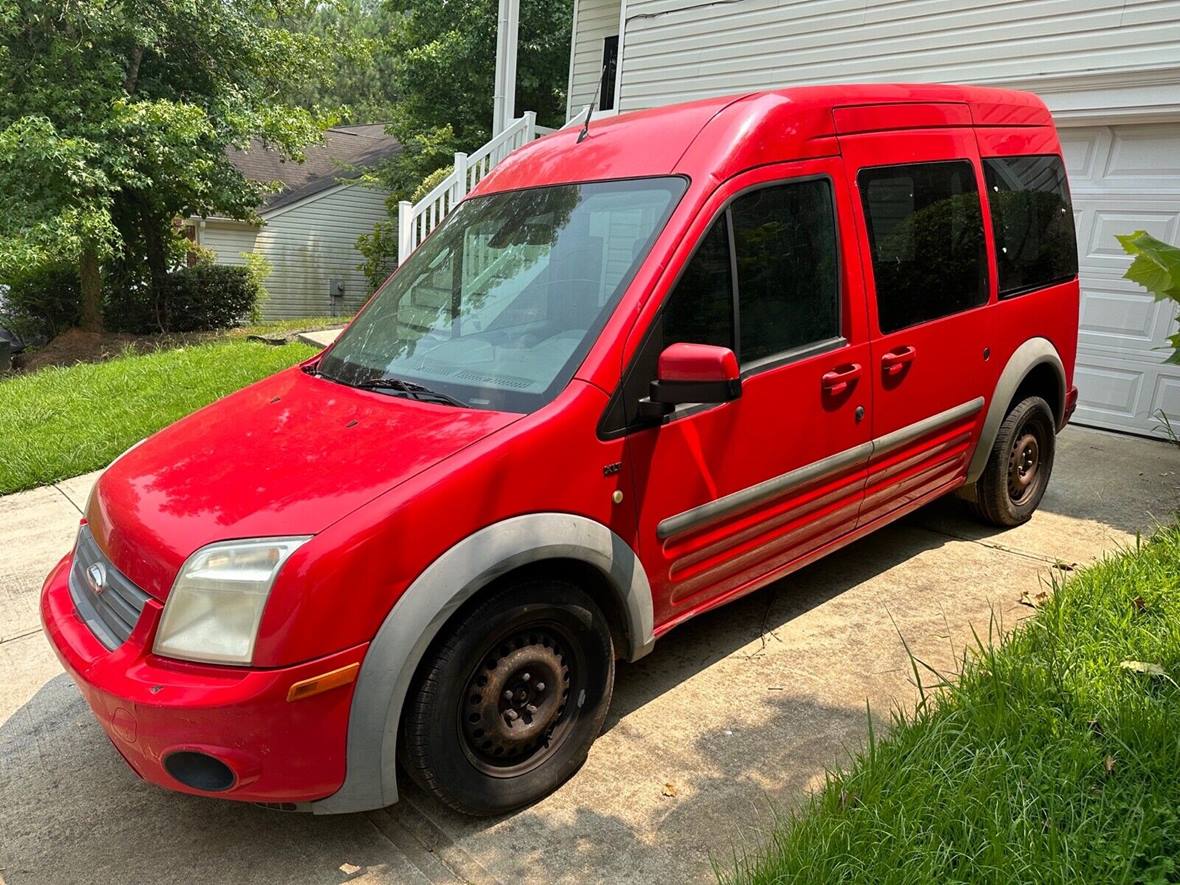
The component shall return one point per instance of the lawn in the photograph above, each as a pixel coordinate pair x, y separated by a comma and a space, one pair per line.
1054, 758
60, 422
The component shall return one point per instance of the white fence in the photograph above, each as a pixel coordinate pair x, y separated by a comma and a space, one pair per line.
415, 221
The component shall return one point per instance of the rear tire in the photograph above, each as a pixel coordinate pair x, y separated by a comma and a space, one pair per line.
1011, 486
508, 705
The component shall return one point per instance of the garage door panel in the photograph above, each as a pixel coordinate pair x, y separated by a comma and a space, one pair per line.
1119, 314
1144, 155
1123, 178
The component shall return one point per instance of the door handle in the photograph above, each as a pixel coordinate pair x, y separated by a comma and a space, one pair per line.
895, 361
838, 380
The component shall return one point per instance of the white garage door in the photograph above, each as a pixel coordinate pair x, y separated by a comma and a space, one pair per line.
1123, 178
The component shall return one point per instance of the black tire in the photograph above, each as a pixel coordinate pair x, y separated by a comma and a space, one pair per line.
540, 649
1018, 468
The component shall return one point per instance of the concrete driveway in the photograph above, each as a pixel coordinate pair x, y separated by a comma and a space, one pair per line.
732, 716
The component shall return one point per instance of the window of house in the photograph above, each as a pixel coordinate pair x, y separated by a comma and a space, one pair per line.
785, 245
926, 236
610, 65
1032, 219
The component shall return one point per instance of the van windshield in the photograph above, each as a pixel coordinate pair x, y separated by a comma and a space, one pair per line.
500, 305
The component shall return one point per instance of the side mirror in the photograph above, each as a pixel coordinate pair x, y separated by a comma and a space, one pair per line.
692, 373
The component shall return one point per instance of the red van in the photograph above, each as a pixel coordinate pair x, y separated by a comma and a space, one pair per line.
633, 376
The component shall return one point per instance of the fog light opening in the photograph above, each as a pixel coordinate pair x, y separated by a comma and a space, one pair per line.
199, 771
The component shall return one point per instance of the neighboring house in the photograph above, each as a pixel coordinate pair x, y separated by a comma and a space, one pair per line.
310, 227
1108, 69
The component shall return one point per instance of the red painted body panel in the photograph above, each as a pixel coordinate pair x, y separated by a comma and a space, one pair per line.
698, 362
387, 485
149, 706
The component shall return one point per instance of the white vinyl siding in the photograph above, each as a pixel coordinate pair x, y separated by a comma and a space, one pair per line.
595, 21
677, 51
228, 240
308, 245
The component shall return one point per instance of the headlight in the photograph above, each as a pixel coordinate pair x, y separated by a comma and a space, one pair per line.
215, 607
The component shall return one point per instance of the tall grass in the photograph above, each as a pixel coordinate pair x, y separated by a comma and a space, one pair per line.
1055, 756
61, 422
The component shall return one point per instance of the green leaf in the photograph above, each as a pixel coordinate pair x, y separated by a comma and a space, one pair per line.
1156, 266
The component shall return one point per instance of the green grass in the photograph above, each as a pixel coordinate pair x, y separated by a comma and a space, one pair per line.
1047, 761
59, 422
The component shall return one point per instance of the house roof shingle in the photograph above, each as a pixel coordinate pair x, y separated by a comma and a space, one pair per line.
325, 165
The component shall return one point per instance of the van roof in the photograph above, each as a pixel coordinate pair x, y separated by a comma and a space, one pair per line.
722, 136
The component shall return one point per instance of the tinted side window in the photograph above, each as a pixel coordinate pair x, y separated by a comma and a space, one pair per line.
700, 308
926, 235
785, 242
1032, 219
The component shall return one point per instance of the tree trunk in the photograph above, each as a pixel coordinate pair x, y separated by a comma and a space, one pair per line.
157, 262
91, 279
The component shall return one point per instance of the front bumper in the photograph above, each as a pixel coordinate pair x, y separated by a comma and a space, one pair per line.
278, 751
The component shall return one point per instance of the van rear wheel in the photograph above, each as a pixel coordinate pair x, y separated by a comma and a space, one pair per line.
507, 707
1018, 469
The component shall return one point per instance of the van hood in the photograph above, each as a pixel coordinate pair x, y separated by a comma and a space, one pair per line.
289, 455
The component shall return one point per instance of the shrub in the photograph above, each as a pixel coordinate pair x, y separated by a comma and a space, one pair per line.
204, 296
41, 303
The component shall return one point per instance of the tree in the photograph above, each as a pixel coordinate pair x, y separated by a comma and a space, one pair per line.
444, 65
115, 116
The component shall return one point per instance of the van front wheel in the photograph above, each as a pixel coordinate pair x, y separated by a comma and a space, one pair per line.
1018, 469
506, 708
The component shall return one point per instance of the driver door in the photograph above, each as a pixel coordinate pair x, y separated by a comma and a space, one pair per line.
731, 496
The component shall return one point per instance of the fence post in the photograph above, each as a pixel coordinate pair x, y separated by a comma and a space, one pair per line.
405, 230
530, 126
461, 174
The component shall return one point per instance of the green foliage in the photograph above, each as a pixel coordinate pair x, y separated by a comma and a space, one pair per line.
1053, 757
443, 63
47, 418
1157, 269
41, 302
259, 268
431, 181
115, 117
192, 299
379, 248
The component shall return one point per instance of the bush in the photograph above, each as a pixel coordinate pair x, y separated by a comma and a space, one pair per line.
41, 303
198, 298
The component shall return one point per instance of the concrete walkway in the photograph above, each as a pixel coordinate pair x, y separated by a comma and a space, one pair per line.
732, 715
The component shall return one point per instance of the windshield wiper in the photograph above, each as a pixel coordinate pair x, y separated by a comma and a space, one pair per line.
410, 389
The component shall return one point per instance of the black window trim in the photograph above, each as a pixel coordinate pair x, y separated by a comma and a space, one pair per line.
989, 263
765, 364
995, 257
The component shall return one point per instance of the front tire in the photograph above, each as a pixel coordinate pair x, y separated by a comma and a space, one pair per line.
508, 705
1018, 469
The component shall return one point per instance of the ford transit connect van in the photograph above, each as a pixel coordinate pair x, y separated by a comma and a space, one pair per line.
633, 376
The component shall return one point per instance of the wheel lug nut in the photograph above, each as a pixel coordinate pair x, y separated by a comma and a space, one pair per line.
540, 686
532, 708
508, 695
512, 715
525, 677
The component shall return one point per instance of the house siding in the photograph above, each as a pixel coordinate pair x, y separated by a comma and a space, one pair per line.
676, 52
595, 20
308, 245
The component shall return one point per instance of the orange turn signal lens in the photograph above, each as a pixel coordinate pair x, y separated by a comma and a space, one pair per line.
305, 688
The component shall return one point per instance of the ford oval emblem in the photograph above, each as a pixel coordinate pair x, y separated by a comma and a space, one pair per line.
96, 577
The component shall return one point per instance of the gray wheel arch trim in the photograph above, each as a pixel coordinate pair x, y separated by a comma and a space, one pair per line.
1027, 357
436, 594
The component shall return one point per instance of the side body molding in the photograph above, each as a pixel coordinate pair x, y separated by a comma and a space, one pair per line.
371, 775
1027, 357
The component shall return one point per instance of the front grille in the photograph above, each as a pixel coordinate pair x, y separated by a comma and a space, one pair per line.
110, 606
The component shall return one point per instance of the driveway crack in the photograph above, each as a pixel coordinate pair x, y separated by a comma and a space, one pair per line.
1003, 548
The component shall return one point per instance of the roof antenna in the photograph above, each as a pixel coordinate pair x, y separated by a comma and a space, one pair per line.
590, 107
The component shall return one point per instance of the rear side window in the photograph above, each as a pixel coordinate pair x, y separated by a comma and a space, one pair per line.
1032, 219
784, 240
926, 235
